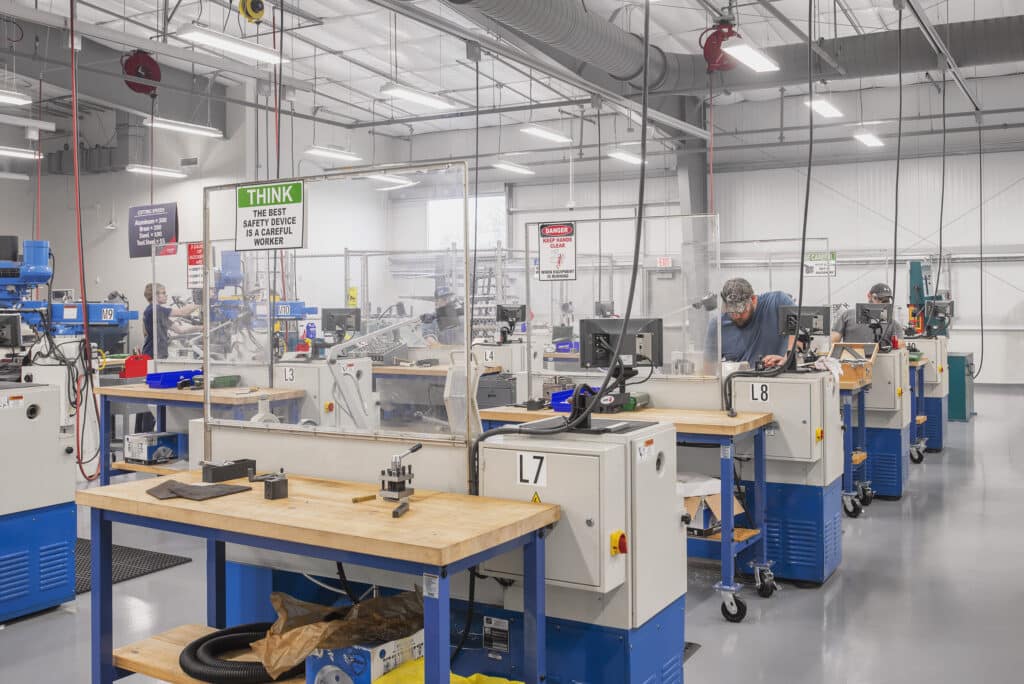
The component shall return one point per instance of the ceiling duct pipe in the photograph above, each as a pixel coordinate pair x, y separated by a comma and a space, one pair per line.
568, 27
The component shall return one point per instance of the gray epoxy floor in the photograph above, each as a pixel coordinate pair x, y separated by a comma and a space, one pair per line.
928, 591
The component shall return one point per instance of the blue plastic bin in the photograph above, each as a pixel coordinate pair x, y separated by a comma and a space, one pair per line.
560, 400
170, 379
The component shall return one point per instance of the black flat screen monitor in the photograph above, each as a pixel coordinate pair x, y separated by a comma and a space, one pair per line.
345, 320
815, 320
598, 337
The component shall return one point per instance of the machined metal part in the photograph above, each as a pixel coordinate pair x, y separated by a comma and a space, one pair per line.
395, 478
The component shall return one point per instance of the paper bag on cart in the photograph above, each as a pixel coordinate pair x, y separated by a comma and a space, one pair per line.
303, 627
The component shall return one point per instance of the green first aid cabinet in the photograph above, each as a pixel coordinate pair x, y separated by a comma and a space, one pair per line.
961, 386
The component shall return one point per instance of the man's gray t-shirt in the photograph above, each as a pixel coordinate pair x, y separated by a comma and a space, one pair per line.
846, 325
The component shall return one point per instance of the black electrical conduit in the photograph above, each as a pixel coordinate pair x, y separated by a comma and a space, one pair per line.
201, 659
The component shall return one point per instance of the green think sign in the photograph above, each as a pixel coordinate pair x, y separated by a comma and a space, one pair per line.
270, 195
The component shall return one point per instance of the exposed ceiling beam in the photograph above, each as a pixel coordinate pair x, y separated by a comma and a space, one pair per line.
850, 16
472, 112
796, 31
942, 51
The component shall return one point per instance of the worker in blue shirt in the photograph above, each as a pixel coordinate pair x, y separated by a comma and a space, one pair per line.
750, 325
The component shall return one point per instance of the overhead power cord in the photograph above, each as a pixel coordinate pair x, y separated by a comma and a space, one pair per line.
981, 249
607, 383
727, 386
942, 189
899, 153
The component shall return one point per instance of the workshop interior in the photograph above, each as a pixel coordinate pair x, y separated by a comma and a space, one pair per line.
500, 342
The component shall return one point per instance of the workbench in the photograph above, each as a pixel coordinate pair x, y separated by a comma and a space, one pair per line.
701, 427
238, 400
917, 410
442, 534
856, 494
423, 371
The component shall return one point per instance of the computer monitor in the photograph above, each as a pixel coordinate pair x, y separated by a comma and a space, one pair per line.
642, 345
604, 309
62, 295
874, 314
510, 314
344, 320
8, 247
813, 320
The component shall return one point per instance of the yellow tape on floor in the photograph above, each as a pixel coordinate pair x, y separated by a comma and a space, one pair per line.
412, 673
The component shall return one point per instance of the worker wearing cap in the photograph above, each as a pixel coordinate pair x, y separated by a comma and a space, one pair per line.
750, 325
847, 329
444, 325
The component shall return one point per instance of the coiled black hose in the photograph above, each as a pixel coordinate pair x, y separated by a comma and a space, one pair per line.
200, 659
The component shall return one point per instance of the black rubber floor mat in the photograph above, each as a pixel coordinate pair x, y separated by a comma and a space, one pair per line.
689, 650
128, 563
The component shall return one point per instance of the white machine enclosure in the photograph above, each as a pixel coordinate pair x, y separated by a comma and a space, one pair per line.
936, 373
351, 405
804, 444
604, 483
37, 468
888, 400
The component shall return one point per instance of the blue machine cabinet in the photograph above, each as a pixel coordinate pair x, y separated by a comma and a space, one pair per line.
37, 560
888, 465
937, 410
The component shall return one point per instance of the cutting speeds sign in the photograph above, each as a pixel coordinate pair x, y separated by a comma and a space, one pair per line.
270, 216
195, 265
557, 246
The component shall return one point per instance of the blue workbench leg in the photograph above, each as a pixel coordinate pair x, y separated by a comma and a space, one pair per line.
437, 629
161, 418
862, 421
104, 441
728, 515
216, 585
761, 495
534, 622
293, 412
102, 600
847, 443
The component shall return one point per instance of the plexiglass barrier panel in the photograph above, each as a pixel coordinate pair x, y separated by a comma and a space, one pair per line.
674, 300
362, 329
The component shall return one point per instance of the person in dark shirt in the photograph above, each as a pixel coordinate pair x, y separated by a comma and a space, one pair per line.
164, 314
847, 329
750, 325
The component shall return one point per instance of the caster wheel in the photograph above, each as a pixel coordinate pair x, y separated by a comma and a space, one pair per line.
741, 610
867, 496
852, 507
916, 456
765, 583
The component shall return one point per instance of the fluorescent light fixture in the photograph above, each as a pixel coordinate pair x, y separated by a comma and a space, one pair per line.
869, 139
19, 153
13, 97
418, 96
400, 186
385, 178
824, 108
749, 55
545, 133
627, 157
14, 176
183, 127
332, 152
236, 46
147, 170
514, 168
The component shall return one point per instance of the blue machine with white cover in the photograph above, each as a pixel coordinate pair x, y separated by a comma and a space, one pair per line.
888, 417
37, 509
936, 389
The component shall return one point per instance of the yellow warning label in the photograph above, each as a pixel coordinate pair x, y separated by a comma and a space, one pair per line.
536, 498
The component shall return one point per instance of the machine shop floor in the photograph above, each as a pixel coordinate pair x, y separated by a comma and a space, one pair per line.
926, 590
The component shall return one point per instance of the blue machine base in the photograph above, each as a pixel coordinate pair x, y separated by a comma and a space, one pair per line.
577, 653
888, 461
37, 560
805, 531
937, 410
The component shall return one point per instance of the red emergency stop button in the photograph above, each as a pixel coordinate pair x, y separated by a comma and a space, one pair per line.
619, 544
328, 407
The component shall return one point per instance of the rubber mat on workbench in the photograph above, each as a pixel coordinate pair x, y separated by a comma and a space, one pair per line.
127, 563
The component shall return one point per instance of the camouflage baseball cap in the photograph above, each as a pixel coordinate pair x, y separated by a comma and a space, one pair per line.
882, 292
736, 294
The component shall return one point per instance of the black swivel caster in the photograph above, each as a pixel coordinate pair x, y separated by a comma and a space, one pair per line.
852, 507
735, 612
916, 455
